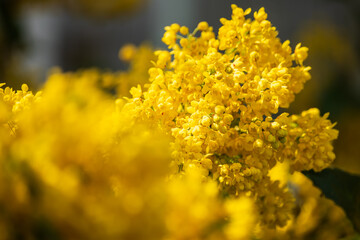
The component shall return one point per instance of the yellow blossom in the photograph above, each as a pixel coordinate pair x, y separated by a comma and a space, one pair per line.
203, 26
127, 52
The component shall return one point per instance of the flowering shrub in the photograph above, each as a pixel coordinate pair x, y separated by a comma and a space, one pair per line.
187, 156
217, 98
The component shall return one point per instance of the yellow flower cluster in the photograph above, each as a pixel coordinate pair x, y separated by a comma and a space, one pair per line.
316, 217
216, 97
198, 212
308, 138
188, 156
77, 167
13, 102
329, 47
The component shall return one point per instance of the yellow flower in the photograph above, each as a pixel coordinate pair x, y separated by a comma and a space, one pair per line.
127, 52
203, 26
136, 91
184, 30
169, 37
300, 54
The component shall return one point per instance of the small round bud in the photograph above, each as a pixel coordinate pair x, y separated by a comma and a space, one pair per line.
184, 30
203, 26
271, 138
275, 145
219, 75
184, 42
24, 87
206, 121
216, 118
219, 109
275, 125
258, 143
228, 118
127, 52
175, 27
229, 70
282, 133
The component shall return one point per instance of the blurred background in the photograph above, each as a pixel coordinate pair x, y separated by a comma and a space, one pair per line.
36, 35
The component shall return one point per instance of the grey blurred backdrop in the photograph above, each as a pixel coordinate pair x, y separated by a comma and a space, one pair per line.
57, 37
